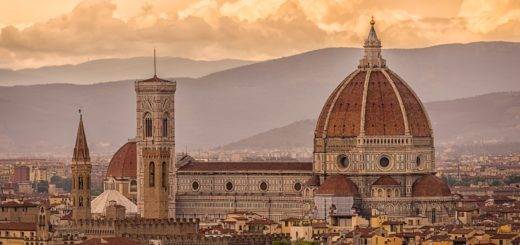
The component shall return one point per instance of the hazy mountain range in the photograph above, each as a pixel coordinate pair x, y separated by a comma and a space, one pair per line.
483, 120
104, 70
236, 103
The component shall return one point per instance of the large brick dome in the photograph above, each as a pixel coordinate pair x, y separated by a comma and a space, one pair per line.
372, 101
124, 162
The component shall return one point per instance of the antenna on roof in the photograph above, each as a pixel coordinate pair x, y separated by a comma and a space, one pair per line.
154, 64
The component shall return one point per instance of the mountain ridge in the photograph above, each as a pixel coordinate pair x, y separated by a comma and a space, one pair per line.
114, 69
230, 105
302, 132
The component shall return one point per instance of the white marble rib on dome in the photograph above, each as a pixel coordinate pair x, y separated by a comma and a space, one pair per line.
100, 203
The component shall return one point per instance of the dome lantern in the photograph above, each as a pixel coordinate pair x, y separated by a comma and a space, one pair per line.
372, 49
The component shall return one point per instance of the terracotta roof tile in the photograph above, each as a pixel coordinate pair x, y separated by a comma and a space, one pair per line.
430, 186
124, 162
341, 114
338, 185
247, 166
18, 226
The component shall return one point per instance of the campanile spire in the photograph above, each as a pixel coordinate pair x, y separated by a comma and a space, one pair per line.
81, 152
372, 48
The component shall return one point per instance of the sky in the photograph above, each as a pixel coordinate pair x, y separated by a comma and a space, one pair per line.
36, 33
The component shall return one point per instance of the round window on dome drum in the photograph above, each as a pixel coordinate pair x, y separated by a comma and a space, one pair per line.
297, 186
229, 186
195, 185
343, 161
263, 186
384, 162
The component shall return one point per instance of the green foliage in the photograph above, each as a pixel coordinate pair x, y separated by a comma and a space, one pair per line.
496, 183
60, 182
41, 186
515, 178
454, 181
282, 242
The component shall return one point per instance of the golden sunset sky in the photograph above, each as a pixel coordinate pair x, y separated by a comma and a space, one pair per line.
36, 33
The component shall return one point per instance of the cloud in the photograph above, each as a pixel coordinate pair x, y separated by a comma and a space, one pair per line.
247, 29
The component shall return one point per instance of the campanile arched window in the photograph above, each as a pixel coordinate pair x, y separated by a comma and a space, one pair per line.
164, 178
165, 126
151, 175
148, 128
80, 183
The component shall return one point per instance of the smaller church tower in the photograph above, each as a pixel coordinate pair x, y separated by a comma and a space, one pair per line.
81, 169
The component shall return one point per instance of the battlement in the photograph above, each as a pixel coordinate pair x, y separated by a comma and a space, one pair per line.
202, 240
138, 226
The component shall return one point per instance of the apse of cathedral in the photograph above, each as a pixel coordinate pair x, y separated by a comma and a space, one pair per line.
373, 154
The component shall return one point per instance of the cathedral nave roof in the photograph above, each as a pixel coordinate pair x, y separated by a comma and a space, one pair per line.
247, 166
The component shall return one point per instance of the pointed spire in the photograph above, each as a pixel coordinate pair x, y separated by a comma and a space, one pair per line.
81, 152
154, 64
372, 45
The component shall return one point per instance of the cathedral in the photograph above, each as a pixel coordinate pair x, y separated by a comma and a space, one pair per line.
373, 154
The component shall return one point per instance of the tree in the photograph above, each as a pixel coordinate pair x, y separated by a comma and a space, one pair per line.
64, 183
42, 186
514, 178
496, 183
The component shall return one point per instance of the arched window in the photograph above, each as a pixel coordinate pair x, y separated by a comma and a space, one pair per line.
80, 201
88, 182
151, 176
164, 172
148, 125
388, 193
80, 183
434, 216
165, 126
380, 193
133, 186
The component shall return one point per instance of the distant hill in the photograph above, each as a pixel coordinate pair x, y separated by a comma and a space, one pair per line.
487, 118
295, 135
233, 104
103, 70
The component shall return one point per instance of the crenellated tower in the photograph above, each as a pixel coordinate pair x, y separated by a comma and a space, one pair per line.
81, 171
155, 148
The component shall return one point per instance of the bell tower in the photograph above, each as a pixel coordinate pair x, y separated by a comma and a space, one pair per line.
81, 170
155, 147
